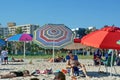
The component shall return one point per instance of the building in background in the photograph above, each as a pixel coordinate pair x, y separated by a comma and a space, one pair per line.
27, 28
11, 24
3, 31
11, 27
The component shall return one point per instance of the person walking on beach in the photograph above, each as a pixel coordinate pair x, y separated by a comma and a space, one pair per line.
2, 56
5, 55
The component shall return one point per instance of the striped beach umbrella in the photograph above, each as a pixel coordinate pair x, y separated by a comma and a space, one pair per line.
53, 35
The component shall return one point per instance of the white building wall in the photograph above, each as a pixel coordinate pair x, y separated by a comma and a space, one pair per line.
27, 28
4, 32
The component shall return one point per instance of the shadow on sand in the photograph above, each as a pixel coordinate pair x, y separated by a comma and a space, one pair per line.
14, 64
5, 69
101, 74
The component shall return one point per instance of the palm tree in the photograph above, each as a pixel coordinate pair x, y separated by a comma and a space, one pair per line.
15, 46
18, 30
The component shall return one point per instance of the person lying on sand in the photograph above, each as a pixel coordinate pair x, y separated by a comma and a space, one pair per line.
17, 60
57, 59
13, 74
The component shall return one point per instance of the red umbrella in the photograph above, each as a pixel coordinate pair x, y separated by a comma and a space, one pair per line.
104, 38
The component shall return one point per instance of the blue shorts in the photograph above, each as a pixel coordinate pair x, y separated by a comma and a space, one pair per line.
75, 68
5, 58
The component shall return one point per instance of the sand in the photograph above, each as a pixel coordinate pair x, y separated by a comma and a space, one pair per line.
39, 64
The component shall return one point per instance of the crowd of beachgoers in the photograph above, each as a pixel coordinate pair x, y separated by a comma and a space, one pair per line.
41, 65
71, 67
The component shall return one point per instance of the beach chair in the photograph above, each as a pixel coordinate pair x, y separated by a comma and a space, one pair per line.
77, 71
107, 63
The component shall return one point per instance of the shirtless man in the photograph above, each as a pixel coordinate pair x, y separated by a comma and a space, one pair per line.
75, 64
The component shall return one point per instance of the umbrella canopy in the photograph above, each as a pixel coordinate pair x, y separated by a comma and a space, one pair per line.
104, 38
57, 35
2, 42
21, 37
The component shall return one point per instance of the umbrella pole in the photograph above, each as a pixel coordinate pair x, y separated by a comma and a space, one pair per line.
15, 48
53, 51
7, 43
24, 49
75, 49
111, 63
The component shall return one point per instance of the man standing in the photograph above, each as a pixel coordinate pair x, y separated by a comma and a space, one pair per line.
4, 55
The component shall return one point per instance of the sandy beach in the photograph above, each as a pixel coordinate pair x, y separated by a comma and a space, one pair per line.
39, 64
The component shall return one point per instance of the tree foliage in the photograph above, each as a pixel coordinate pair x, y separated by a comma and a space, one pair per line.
18, 30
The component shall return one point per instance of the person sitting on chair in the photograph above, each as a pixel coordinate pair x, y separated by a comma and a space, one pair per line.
97, 57
74, 65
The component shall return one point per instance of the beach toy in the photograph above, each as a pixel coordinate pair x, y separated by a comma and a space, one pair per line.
64, 71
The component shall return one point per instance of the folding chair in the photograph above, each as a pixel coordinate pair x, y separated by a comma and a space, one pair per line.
107, 63
77, 71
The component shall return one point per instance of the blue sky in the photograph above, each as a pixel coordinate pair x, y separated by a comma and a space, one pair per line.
72, 13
